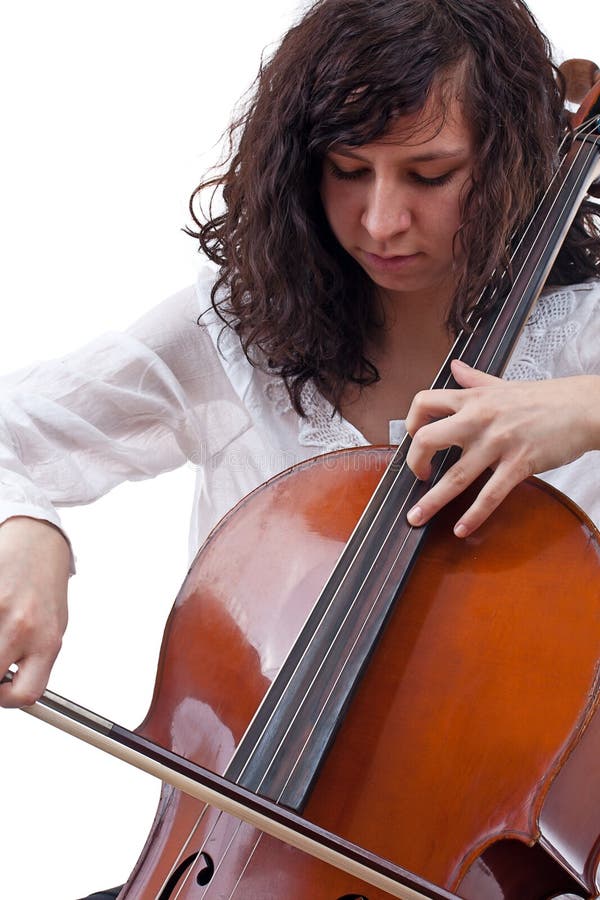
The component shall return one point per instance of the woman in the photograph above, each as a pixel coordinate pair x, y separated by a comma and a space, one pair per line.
369, 200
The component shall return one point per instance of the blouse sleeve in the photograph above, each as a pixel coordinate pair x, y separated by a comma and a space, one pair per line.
562, 338
125, 407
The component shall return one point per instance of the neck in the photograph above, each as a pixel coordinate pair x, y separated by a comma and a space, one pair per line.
414, 327
407, 350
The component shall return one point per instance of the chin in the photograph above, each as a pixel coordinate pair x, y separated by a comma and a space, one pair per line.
397, 283
411, 282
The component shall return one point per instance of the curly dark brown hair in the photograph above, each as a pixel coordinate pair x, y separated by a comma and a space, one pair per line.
302, 306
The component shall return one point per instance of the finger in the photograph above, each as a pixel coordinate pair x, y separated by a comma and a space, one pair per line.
29, 683
495, 490
468, 377
452, 431
5, 688
8, 657
453, 482
427, 406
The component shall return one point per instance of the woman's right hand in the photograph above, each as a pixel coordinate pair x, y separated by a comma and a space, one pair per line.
34, 574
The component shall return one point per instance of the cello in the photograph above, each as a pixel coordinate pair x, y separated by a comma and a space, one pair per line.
429, 616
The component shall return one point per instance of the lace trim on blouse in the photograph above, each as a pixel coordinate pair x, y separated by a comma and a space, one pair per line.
322, 427
549, 329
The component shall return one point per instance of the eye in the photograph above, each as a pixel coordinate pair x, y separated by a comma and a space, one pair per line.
432, 182
343, 174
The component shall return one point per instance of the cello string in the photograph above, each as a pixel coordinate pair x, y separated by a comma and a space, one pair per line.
320, 714
246, 864
382, 503
184, 846
349, 652
578, 132
299, 709
190, 872
360, 588
587, 128
372, 606
364, 624
592, 150
487, 339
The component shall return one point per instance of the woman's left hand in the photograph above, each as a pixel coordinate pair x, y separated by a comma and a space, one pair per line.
515, 428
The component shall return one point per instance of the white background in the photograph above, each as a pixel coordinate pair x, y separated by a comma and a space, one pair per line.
110, 114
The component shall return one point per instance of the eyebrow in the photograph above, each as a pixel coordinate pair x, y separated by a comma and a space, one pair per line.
419, 157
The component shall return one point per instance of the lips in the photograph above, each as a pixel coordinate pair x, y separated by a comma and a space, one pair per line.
398, 261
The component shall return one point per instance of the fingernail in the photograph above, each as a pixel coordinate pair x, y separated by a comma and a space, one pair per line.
415, 515
461, 362
460, 530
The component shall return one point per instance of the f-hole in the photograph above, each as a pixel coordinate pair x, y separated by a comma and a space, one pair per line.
207, 871
171, 884
353, 897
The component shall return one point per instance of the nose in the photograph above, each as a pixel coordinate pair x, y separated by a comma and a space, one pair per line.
386, 213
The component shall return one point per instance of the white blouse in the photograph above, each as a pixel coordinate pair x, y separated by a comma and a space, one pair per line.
169, 391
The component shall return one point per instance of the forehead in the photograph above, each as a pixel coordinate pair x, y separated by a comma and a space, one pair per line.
441, 123
437, 124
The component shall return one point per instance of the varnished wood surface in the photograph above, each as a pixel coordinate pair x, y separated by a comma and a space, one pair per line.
476, 694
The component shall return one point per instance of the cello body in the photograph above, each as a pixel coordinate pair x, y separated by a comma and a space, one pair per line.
468, 751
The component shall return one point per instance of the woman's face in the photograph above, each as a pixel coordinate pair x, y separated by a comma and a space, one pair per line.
394, 204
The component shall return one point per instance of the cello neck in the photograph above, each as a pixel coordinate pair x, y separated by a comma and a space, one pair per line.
358, 598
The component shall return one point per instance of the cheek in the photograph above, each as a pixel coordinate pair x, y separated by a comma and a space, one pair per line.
444, 218
337, 206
